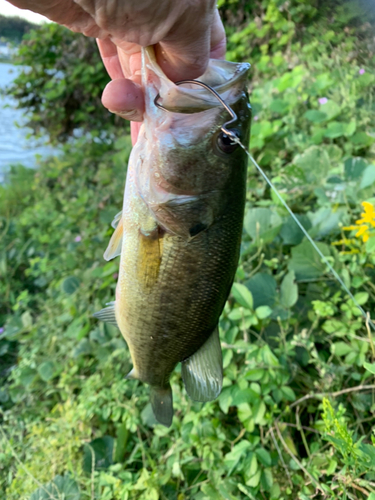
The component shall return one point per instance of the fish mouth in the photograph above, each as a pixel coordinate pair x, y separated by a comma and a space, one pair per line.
226, 78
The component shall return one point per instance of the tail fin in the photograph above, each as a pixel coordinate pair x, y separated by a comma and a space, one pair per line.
162, 404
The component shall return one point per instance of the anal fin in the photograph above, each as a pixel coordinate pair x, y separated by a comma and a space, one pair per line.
107, 314
202, 373
115, 243
162, 404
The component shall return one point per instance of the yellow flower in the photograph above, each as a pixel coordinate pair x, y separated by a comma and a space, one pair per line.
362, 227
368, 217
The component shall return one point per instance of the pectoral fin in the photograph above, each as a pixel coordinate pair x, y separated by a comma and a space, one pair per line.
115, 243
202, 373
116, 220
185, 216
107, 314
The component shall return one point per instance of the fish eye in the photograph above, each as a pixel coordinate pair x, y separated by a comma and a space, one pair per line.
226, 143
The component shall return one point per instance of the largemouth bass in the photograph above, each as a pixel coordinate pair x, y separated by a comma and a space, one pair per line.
179, 233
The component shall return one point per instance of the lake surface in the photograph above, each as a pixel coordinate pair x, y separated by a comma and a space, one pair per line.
14, 146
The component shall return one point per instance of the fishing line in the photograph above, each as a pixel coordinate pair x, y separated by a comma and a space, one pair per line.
235, 139
321, 255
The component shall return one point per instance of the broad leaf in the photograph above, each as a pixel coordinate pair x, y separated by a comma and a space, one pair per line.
306, 262
60, 487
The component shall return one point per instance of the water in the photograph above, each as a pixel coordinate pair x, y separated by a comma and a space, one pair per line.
15, 147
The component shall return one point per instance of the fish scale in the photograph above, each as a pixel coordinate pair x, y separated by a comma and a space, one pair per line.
180, 232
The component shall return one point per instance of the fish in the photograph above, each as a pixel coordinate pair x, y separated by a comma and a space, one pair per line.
179, 233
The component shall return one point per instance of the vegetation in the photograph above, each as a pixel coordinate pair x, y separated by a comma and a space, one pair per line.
295, 418
13, 28
68, 77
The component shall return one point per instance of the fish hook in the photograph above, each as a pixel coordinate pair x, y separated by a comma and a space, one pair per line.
224, 128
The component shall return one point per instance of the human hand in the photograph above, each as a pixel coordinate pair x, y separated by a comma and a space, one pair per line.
185, 35
182, 56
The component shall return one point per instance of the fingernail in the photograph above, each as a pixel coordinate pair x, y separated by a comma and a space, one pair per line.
125, 114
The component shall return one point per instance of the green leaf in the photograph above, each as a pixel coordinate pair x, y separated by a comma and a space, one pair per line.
279, 106
263, 289
254, 481
262, 223
354, 167
242, 295
244, 396
361, 298
246, 491
27, 376
13, 328
314, 163
341, 348
362, 139
331, 467
315, 116
350, 128
335, 129
370, 367
275, 491
251, 465
288, 393
121, 442
331, 109
259, 410
263, 312
306, 262
99, 453
83, 347
368, 177
266, 479
232, 458
225, 399
370, 245
325, 221
60, 487
334, 152
46, 370
227, 357
289, 290
291, 233
254, 374
264, 457
70, 285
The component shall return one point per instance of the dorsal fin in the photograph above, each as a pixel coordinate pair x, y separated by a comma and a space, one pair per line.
202, 373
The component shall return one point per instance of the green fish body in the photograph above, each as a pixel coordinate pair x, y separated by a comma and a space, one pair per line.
180, 231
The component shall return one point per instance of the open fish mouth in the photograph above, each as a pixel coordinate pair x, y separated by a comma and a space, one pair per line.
225, 77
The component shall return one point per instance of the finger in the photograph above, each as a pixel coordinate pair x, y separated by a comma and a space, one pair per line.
131, 62
184, 52
125, 98
134, 130
109, 55
218, 41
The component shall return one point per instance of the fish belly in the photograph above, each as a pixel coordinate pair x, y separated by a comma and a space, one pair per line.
171, 291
